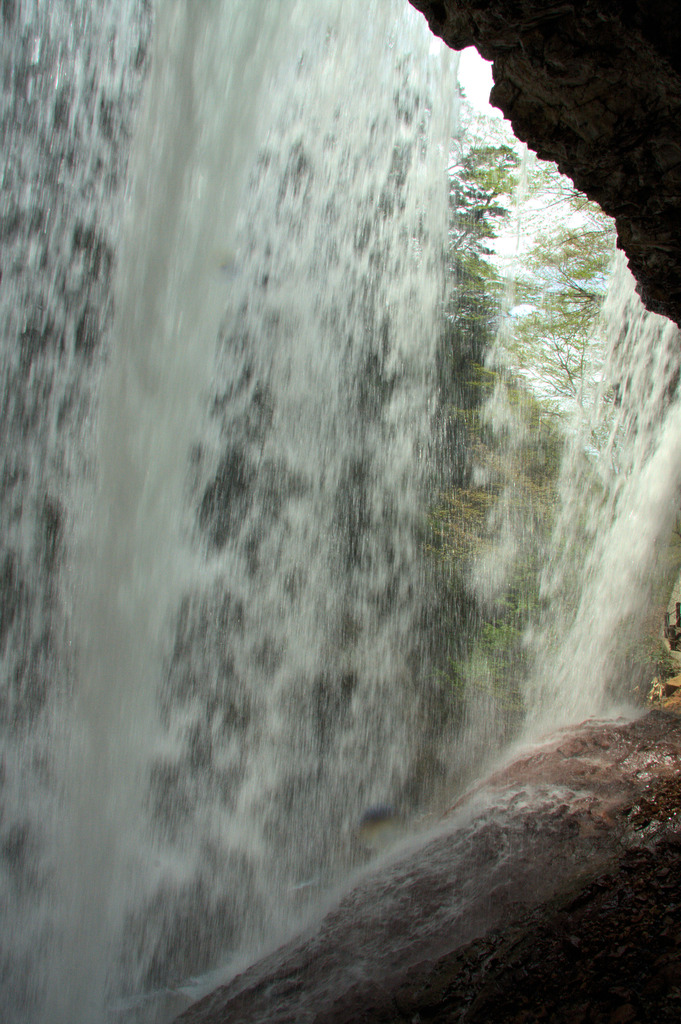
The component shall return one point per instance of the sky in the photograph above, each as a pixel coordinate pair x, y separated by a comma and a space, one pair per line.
475, 77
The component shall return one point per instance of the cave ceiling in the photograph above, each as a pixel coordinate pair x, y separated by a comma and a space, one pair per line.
596, 87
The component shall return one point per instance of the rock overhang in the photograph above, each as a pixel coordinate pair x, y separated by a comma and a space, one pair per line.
595, 87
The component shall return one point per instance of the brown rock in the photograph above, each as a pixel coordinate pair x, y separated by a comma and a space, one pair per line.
671, 686
623, 1014
673, 703
514, 911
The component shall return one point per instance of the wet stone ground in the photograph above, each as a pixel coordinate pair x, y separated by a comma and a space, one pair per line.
610, 953
554, 894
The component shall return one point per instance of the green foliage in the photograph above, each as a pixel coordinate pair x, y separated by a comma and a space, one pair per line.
565, 248
494, 521
563, 286
516, 479
559, 288
483, 178
499, 484
659, 658
511, 493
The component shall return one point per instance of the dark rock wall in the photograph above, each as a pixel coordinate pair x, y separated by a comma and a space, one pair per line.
596, 87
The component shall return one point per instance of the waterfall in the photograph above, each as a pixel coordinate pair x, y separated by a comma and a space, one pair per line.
616, 514
238, 467
71, 81
287, 699
223, 235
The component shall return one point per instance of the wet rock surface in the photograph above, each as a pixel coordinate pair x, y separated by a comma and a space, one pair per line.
611, 952
595, 86
550, 892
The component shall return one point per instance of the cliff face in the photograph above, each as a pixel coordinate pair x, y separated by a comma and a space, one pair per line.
596, 87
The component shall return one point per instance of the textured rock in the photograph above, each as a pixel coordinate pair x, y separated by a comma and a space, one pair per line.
543, 874
596, 87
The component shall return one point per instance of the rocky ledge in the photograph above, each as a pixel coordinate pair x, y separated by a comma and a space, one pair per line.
550, 892
596, 87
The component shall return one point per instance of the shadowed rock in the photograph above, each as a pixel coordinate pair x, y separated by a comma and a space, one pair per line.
596, 87
420, 928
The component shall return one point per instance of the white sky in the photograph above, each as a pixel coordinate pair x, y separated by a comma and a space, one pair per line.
475, 77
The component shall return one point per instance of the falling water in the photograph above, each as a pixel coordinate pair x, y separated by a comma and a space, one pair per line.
187, 172
237, 468
287, 699
221, 639
71, 81
620, 489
